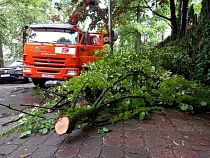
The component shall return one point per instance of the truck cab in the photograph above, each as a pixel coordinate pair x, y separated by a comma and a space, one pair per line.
58, 51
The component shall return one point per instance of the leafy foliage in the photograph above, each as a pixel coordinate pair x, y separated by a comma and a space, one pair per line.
174, 56
35, 122
202, 71
107, 77
14, 15
188, 95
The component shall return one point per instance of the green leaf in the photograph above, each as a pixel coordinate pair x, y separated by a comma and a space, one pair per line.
100, 131
184, 107
105, 129
203, 103
144, 88
43, 131
190, 107
117, 96
142, 115
24, 134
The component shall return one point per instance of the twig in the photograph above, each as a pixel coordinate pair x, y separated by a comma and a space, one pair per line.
164, 17
38, 106
61, 105
57, 104
101, 123
98, 100
11, 122
9, 107
60, 95
118, 99
75, 99
115, 100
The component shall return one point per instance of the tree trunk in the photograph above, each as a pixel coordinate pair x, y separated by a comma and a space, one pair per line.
173, 20
62, 125
208, 7
138, 42
1, 54
184, 17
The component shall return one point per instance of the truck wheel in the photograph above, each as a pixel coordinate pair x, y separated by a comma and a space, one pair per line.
26, 80
38, 82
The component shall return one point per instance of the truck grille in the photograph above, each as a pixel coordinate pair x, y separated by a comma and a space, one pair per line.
49, 62
48, 71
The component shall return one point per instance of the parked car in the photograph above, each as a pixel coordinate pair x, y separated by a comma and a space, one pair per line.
13, 73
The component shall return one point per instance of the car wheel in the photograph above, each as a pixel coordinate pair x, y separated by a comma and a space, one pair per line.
39, 82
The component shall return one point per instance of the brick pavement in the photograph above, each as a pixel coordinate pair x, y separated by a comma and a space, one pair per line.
166, 134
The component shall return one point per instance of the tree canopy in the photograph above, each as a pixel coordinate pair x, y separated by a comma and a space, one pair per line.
14, 15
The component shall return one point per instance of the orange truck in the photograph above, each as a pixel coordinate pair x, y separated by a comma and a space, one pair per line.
58, 51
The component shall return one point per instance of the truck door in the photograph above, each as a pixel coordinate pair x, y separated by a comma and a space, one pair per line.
86, 52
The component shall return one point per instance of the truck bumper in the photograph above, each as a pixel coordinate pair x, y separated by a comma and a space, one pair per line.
50, 73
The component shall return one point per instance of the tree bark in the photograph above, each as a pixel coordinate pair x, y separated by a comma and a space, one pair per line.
184, 18
173, 20
208, 8
138, 42
1, 54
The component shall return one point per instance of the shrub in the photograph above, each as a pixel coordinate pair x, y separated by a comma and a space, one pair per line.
184, 94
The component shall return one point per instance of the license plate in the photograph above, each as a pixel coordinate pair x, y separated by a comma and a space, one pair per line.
5, 75
48, 75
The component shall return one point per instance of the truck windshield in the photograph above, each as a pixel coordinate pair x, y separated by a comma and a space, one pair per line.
60, 36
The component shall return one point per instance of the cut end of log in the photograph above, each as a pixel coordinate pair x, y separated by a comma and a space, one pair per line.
62, 125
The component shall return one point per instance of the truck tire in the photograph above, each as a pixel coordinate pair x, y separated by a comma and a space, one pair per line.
39, 82
26, 80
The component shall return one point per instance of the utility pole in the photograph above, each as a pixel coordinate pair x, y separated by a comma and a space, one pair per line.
1, 54
110, 25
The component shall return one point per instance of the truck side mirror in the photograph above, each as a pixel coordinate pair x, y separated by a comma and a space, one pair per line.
115, 35
86, 38
24, 30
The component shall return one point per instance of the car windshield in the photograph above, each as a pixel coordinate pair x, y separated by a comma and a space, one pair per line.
62, 36
17, 63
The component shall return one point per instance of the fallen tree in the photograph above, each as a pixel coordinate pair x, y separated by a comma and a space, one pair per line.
118, 87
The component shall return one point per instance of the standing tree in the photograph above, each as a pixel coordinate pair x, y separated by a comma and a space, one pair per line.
184, 18
14, 15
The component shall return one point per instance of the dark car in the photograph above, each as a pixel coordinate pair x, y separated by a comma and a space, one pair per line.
13, 73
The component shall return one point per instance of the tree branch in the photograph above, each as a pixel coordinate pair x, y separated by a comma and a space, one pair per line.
34, 106
9, 107
57, 104
63, 97
11, 122
75, 99
164, 17
98, 100
60, 95
118, 99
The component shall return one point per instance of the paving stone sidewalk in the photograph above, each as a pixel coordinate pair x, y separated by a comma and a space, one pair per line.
167, 134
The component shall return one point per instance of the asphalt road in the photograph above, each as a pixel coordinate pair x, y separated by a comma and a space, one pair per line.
16, 94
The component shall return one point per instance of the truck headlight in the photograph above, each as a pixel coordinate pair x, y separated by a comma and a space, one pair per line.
26, 69
72, 72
